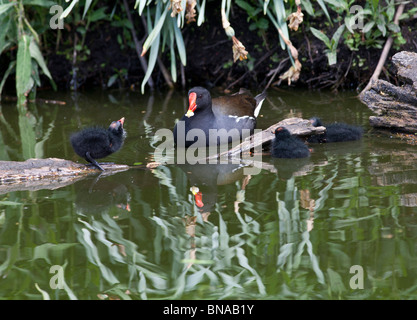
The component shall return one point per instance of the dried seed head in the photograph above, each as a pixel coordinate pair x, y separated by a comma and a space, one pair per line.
239, 51
296, 18
191, 13
176, 7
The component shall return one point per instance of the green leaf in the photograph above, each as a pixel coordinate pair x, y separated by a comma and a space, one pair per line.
308, 7
281, 20
368, 26
265, 5
68, 10
201, 13
155, 32
153, 55
337, 35
112, 80
86, 7
36, 54
381, 26
5, 7
173, 60
98, 14
332, 57
142, 4
324, 8
24, 81
349, 22
180, 44
375, 4
394, 27
262, 24
321, 36
390, 13
246, 6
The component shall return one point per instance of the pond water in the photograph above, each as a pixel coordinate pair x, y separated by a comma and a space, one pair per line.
339, 225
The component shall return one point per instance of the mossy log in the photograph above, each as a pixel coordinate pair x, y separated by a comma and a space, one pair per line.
51, 173
395, 106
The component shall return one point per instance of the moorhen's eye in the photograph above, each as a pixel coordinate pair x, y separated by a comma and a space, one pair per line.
200, 96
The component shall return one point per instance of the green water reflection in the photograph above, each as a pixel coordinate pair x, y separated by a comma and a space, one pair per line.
289, 233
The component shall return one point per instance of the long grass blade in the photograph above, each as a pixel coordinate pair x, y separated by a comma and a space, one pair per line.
153, 55
142, 4
180, 44
201, 13
323, 6
68, 10
173, 60
45, 295
86, 7
155, 33
266, 2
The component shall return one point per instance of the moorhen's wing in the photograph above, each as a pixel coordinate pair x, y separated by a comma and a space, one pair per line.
240, 105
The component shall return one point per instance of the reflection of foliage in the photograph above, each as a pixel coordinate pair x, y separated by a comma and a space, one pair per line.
29, 143
250, 247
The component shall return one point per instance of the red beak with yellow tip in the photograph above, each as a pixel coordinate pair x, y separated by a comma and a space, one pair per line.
198, 196
192, 105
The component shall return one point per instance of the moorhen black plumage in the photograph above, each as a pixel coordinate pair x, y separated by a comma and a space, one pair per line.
233, 113
286, 145
97, 143
335, 132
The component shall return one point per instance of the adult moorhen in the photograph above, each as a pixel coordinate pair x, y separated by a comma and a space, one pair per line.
233, 113
96, 143
286, 145
335, 132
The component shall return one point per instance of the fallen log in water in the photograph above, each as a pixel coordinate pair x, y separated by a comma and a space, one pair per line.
297, 126
51, 173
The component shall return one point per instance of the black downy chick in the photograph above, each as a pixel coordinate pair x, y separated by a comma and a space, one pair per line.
335, 132
98, 143
286, 145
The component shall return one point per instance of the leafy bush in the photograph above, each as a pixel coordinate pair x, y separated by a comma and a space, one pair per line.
23, 24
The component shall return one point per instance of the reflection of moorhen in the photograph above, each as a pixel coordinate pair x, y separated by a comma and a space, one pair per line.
287, 168
286, 145
97, 143
335, 132
205, 178
97, 197
237, 111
